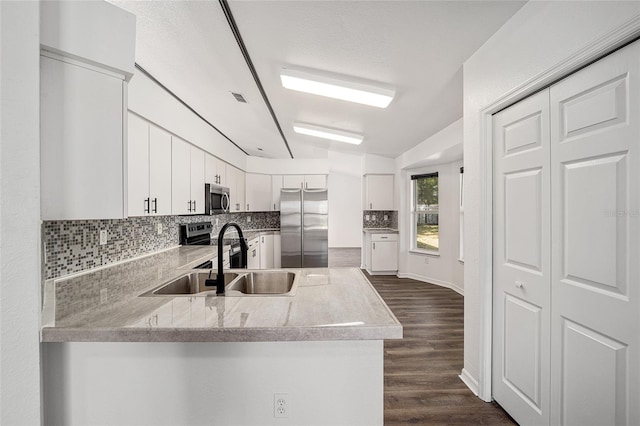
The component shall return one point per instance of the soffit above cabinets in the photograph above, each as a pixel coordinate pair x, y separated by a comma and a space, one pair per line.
417, 47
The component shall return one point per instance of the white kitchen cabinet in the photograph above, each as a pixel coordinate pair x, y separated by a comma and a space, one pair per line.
381, 253
149, 160
304, 181
235, 183
253, 261
258, 192
82, 119
277, 250
276, 186
378, 192
266, 251
187, 178
215, 170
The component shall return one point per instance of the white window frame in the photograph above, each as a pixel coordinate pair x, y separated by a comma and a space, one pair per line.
413, 247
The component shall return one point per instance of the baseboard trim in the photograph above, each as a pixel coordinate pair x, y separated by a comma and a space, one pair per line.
468, 380
431, 281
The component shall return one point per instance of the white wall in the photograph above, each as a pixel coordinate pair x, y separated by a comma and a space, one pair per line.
345, 200
287, 166
150, 101
537, 38
19, 213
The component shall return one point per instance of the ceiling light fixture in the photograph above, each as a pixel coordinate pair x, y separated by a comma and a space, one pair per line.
327, 133
338, 87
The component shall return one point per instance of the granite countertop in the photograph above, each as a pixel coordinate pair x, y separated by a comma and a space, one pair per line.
380, 231
106, 306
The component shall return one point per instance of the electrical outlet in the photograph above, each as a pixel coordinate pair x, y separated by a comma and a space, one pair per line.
103, 295
103, 237
373, 217
248, 219
159, 227
366, 217
386, 217
281, 405
217, 221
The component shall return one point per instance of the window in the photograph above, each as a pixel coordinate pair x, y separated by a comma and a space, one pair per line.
425, 212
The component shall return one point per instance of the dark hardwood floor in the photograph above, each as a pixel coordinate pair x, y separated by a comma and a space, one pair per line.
421, 383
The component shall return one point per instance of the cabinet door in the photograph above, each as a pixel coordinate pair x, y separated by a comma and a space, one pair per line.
254, 254
240, 181
138, 166
210, 168
315, 181
379, 192
181, 201
81, 124
159, 171
384, 256
221, 171
197, 180
232, 184
266, 252
292, 181
258, 192
277, 251
276, 186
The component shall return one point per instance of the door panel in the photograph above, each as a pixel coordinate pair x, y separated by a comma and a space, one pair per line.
521, 260
595, 243
592, 396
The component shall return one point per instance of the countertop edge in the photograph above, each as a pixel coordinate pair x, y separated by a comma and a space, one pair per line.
267, 334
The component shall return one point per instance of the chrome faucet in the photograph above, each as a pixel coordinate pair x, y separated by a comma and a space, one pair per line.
219, 281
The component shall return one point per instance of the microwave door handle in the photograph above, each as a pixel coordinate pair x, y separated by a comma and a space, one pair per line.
225, 196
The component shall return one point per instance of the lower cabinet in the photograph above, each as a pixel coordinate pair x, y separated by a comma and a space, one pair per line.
253, 261
381, 253
266, 251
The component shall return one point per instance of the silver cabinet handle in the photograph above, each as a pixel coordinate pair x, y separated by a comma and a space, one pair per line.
370, 206
247, 206
189, 205
194, 205
146, 205
374, 246
519, 284
155, 205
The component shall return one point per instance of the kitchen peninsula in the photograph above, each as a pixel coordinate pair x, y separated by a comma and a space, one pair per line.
115, 357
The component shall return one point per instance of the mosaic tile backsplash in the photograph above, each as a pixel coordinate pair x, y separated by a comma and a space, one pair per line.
377, 219
72, 246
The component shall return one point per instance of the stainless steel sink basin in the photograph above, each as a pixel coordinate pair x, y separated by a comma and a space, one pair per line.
189, 285
254, 283
263, 283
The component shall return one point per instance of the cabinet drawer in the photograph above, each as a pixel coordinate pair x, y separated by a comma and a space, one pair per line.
384, 237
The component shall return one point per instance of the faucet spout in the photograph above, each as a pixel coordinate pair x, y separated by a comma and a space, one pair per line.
219, 282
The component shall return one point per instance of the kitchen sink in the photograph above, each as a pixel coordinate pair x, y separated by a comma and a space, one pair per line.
190, 285
264, 283
255, 283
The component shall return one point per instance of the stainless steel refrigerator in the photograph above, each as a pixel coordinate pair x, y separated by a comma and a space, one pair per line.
304, 224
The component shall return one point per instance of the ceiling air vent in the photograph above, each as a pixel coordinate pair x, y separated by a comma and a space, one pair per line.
239, 97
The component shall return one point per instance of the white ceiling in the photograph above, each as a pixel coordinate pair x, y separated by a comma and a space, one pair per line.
416, 46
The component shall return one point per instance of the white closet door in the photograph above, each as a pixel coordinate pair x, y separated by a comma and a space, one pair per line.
595, 184
521, 306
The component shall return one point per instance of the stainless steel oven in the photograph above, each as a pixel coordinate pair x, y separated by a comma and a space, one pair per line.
216, 199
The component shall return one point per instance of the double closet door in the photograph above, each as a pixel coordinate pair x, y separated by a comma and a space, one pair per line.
566, 257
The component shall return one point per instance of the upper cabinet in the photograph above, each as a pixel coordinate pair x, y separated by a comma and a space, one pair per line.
81, 128
258, 192
276, 186
304, 181
215, 171
235, 182
149, 165
87, 55
187, 178
378, 192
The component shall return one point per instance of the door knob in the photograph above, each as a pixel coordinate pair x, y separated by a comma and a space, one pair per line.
519, 284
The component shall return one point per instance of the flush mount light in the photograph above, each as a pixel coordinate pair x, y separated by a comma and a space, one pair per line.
327, 133
338, 87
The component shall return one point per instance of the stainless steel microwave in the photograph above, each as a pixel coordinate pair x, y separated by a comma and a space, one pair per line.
216, 199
